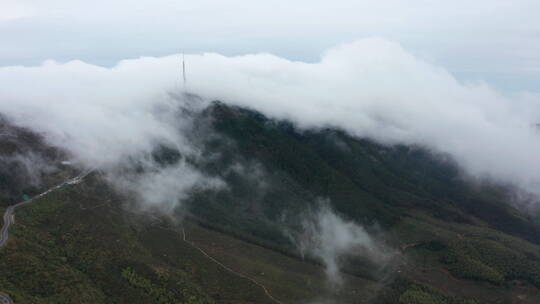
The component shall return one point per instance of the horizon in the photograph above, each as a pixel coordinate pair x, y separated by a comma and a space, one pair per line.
491, 41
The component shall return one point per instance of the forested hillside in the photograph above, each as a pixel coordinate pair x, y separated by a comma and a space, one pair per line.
449, 238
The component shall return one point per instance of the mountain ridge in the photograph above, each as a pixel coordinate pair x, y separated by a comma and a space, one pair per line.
403, 197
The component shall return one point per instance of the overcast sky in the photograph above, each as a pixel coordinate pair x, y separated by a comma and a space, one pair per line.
494, 40
439, 74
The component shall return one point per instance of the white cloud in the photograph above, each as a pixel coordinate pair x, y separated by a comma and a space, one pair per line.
371, 88
489, 39
99, 114
163, 188
374, 88
11, 10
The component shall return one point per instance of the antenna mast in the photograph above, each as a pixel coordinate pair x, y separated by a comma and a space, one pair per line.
184, 71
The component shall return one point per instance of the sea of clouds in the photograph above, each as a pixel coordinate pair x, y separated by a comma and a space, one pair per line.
370, 88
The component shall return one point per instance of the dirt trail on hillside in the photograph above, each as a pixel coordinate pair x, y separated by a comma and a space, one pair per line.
229, 269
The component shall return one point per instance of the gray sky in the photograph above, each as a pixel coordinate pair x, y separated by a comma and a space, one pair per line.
494, 40
419, 83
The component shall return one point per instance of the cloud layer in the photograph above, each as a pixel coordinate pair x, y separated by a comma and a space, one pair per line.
495, 40
371, 88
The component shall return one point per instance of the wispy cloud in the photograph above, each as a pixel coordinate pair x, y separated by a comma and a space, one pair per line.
328, 237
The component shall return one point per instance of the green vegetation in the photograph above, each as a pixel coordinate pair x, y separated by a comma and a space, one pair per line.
418, 297
484, 259
81, 245
461, 243
406, 292
466, 267
70, 247
159, 292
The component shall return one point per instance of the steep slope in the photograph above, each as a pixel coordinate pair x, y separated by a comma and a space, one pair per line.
369, 181
88, 243
457, 224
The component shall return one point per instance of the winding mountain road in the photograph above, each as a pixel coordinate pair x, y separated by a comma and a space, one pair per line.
9, 218
5, 299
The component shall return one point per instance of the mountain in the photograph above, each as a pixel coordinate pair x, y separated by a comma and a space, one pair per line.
430, 233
